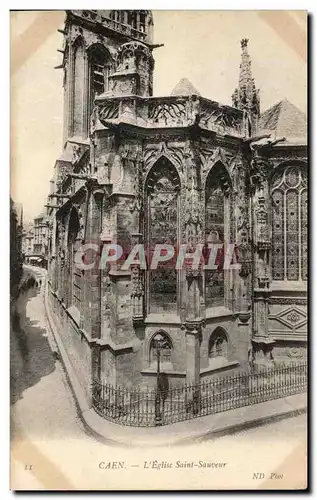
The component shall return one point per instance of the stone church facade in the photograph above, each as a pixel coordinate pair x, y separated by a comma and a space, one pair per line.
178, 170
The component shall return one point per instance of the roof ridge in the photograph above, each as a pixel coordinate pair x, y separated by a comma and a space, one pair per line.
184, 87
285, 119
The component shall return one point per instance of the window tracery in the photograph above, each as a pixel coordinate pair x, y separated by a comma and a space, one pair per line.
289, 225
162, 188
217, 207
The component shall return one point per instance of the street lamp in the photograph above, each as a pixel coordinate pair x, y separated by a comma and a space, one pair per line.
159, 342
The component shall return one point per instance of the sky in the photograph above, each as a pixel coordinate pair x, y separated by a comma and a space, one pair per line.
203, 46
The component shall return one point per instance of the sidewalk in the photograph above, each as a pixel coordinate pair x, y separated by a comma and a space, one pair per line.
194, 430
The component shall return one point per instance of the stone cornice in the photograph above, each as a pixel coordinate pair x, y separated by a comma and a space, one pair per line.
191, 113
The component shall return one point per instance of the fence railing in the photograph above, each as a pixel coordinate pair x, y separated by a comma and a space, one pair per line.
149, 407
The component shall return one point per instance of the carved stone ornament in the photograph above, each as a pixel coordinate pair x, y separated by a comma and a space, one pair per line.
243, 216
261, 169
193, 327
211, 114
77, 152
81, 219
168, 112
244, 254
137, 285
61, 255
132, 52
109, 110
244, 316
210, 156
263, 281
173, 153
295, 352
261, 212
288, 300
137, 205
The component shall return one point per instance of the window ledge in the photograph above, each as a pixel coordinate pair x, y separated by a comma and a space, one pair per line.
291, 286
170, 371
298, 337
215, 312
215, 367
163, 318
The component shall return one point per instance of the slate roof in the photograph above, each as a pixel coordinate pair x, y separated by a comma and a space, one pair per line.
285, 119
184, 87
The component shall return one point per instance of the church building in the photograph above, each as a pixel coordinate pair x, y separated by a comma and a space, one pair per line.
175, 170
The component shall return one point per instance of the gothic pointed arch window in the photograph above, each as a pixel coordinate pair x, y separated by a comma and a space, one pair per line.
78, 97
217, 230
218, 345
74, 273
161, 342
162, 227
289, 224
99, 70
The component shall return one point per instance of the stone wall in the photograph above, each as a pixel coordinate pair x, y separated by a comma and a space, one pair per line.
74, 342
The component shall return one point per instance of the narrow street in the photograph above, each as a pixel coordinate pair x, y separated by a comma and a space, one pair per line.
44, 416
42, 403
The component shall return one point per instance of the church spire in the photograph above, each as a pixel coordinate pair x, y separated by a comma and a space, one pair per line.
246, 96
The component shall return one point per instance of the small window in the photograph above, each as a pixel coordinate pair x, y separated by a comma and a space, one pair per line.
99, 69
98, 79
162, 343
142, 26
132, 19
218, 345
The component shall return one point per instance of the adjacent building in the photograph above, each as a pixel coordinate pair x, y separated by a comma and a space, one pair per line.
27, 242
35, 241
16, 228
175, 170
41, 232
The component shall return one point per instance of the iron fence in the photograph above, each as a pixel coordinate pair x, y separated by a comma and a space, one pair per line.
149, 407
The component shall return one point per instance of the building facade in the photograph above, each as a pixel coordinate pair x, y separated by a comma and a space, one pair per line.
16, 229
37, 240
176, 170
27, 242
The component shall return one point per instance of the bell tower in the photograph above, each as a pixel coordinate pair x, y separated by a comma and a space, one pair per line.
134, 71
246, 96
104, 52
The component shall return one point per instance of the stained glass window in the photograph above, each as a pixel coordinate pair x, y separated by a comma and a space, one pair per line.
278, 235
216, 233
289, 225
304, 225
163, 190
74, 271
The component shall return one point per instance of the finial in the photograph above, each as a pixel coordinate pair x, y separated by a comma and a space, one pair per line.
246, 96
